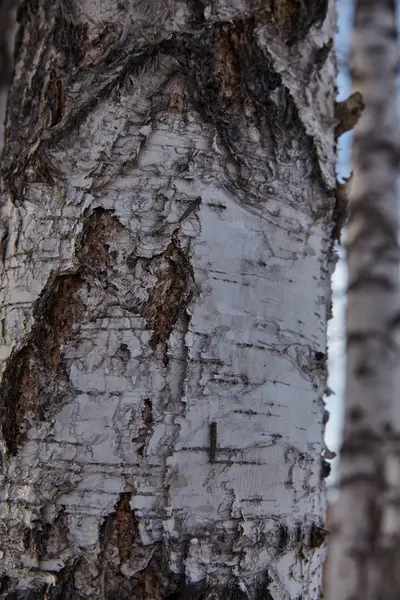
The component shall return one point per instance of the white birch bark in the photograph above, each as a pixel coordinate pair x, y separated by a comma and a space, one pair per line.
168, 208
363, 561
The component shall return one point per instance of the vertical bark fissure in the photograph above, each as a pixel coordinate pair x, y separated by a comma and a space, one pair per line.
167, 163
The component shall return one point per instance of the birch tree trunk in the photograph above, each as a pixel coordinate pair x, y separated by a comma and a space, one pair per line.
168, 245
363, 559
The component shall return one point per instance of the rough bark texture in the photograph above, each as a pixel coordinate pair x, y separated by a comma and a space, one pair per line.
364, 547
167, 246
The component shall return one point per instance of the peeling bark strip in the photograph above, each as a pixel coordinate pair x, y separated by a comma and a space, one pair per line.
167, 201
364, 550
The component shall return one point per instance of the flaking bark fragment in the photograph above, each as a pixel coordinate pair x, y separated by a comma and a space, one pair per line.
348, 112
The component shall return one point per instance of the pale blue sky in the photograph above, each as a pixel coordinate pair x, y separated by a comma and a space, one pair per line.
336, 330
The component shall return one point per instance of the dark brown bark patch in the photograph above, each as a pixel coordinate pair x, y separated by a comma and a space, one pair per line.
172, 294
55, 98
295, 17
125, 525
35, 380
100, 229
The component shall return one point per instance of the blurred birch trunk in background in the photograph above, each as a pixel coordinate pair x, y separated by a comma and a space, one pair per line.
363, 564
